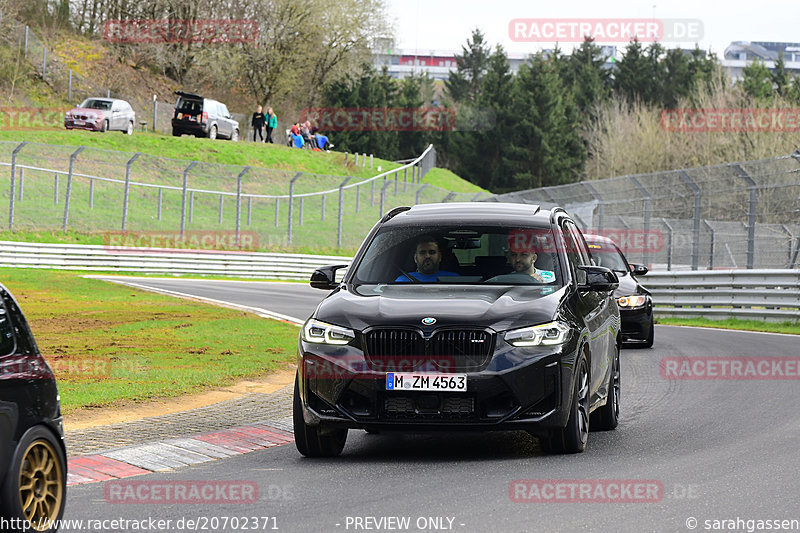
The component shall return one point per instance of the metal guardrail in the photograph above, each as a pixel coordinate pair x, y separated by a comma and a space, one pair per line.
162, 260
756, 294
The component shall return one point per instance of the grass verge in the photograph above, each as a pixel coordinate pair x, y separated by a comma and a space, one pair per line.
110, 344
734, 323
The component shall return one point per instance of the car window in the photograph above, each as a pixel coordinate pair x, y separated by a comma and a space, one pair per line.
91, 103
7, 342
223, 110
464, 254
608, 256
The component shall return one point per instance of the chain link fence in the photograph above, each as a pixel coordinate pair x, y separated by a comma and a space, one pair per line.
737, 215
93, 190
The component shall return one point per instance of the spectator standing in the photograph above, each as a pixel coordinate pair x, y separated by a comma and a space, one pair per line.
272, 123
258, 124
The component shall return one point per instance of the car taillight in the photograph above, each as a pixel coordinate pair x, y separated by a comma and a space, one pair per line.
205, 116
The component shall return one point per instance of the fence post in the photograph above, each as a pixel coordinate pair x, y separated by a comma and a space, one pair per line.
791, 238
751, 215
13, 181
249, 209
155, 113
358, 196
160, 198
405, 178
646, 226
669, 248
697, 198
277, 210
21, 183
221, 198
596, 195
69, 185
91, 193
239, 203
396, 177
191, 206
713, 247
364, 160
185, 193
291, 205
341, 204
416, 200
322, 217
126, 194
300, 217
69, 88
55, 189
372, 193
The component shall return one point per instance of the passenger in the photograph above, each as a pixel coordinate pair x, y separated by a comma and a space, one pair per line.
427, 257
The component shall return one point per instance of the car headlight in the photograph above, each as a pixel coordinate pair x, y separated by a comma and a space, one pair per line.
323, 333
542, 335
634, 300
67, 115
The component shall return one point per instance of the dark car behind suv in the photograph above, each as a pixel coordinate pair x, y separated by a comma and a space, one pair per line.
203, 117
462, 316
634, 300
33, 467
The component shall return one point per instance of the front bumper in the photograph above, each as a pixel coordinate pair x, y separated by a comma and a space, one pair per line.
90, 125
636, 322
520, 389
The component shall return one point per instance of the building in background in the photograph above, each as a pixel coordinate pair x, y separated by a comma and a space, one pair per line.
739, 53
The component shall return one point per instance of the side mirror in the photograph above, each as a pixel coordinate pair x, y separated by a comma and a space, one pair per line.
598, 279
325, 277
638, 270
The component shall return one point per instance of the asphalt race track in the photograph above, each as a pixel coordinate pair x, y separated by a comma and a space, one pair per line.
713, 449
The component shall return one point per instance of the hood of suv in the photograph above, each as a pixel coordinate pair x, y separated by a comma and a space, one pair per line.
497, 307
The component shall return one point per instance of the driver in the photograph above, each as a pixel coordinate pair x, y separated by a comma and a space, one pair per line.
427, 257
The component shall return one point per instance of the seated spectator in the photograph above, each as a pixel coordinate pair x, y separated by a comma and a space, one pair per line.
297, 140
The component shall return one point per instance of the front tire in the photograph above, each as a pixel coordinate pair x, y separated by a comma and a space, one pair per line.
573, 437
212, 133
104, 126
310, 440
235, 135
129, 129
35, 488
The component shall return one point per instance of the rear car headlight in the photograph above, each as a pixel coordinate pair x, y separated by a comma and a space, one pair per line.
323, 333
634, 300
543, 335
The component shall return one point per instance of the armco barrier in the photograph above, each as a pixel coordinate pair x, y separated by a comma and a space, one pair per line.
758, 294
754, 294
162, 261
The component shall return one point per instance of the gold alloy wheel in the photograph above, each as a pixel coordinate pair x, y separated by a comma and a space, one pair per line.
41, 485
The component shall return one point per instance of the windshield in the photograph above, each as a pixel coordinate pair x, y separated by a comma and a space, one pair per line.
91, 103
608, 256
465, 255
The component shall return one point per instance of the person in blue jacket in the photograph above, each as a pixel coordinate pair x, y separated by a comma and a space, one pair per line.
427, 257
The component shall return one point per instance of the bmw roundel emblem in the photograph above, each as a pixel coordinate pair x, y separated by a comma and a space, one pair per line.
429, 321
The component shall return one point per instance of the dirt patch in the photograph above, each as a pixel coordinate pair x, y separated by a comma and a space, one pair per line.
92, 417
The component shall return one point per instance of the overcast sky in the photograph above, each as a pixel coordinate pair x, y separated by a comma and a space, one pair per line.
446, 24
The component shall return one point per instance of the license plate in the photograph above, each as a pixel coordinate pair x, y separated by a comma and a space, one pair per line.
79, 122
426, 382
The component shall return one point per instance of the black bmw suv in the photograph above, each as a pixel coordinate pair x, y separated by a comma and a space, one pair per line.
33, 466
462, 316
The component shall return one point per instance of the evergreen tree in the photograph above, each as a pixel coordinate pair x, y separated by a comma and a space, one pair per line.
757, 81
587, 77
639, 73
678, 80
464, 84
545, 144
780, 77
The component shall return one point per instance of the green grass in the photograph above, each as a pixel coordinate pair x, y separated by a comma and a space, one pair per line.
110, 344
734, 323
39, 215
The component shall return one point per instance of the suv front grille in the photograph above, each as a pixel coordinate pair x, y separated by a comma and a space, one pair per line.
448, 350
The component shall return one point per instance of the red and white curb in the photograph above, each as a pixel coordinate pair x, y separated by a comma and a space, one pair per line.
173, 453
